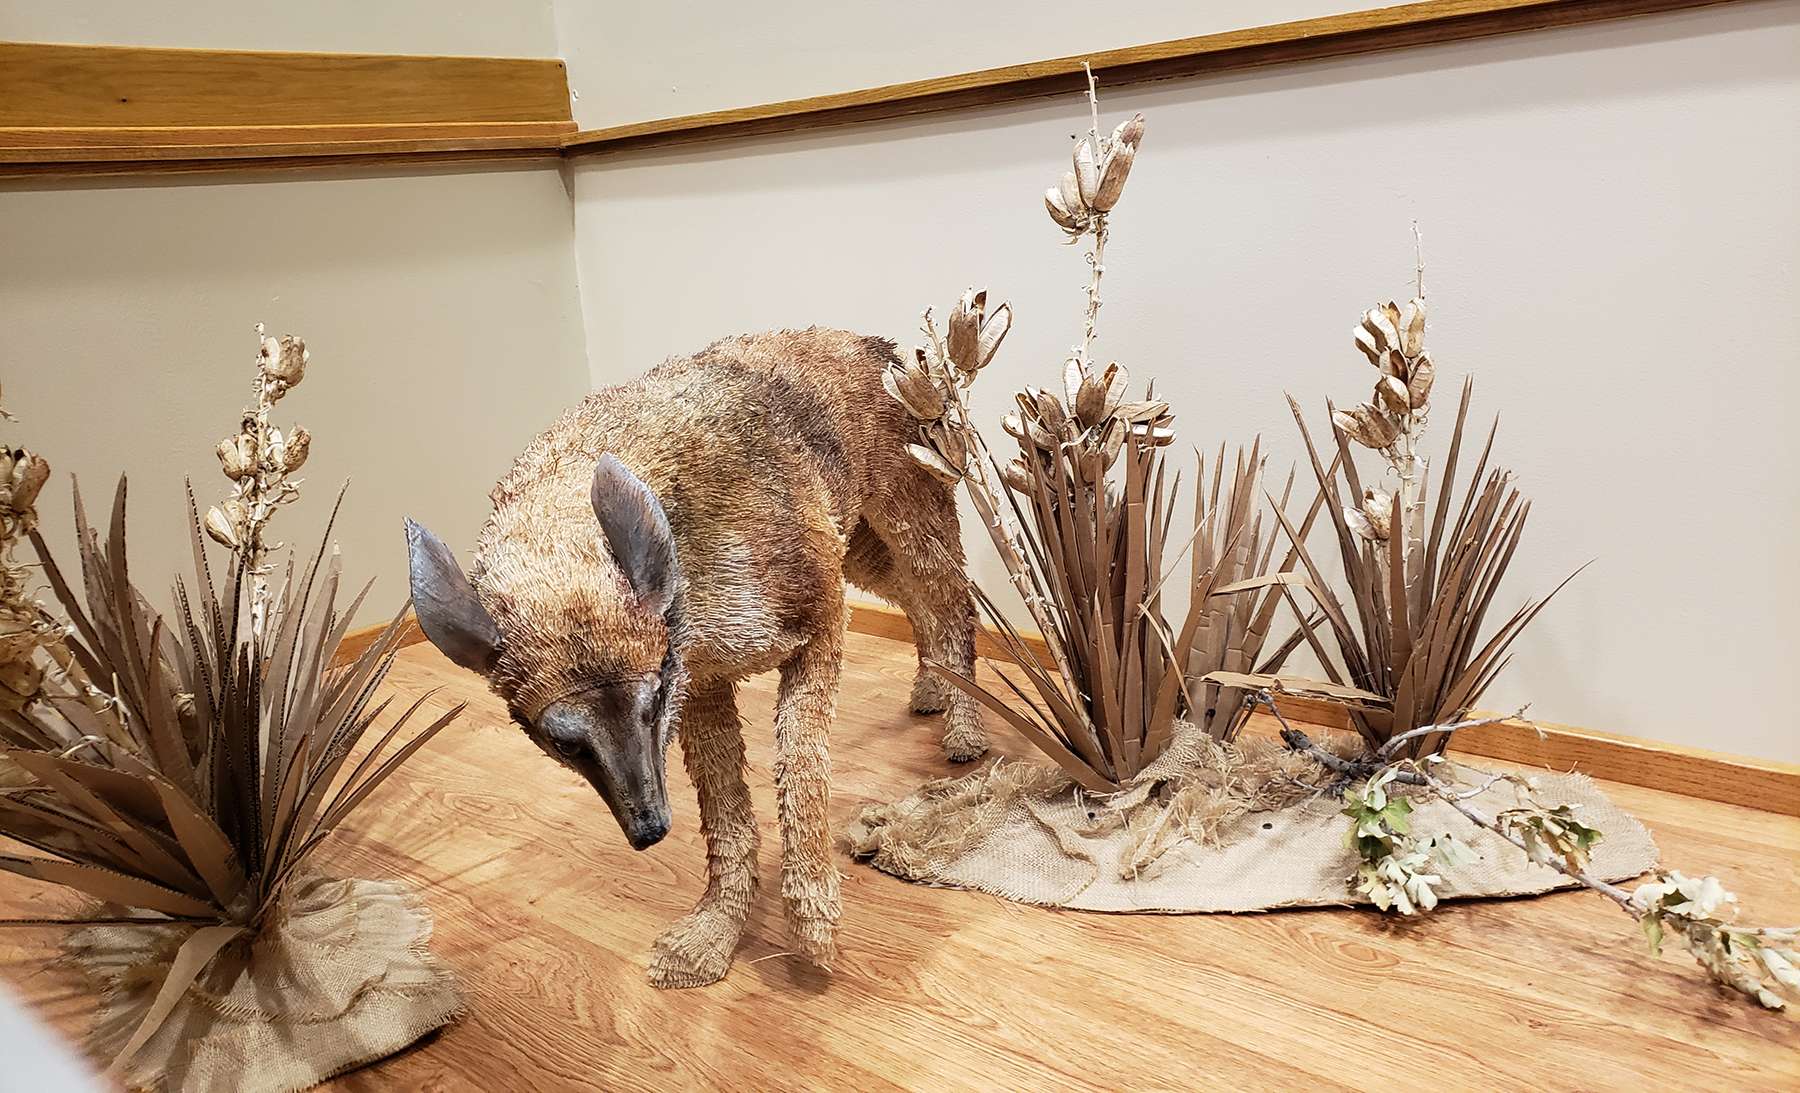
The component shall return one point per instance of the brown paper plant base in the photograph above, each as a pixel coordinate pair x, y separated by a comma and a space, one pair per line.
1207, 829
341, 976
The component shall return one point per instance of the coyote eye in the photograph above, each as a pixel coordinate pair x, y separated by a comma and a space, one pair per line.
565, 744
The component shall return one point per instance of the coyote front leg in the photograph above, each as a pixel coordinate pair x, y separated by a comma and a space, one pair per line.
809, 876
697, 949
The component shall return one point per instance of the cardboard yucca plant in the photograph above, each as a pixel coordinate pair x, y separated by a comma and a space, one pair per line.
183, 769
1082, 517
1411, 646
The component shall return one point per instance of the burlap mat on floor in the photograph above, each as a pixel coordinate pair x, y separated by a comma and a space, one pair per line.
1223, 830
340, 977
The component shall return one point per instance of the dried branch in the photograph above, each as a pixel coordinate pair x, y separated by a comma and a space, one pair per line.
1758, 962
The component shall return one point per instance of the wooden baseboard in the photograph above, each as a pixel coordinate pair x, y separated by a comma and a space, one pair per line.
1694, 772
358, 640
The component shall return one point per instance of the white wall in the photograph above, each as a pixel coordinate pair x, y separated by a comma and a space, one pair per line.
1610, 228
440, 307
440, 312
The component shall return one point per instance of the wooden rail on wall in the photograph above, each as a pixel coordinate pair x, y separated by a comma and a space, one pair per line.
1369, 31
70, 110
78, 110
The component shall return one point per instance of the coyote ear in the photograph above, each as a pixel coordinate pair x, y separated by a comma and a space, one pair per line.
445, 602
636, 532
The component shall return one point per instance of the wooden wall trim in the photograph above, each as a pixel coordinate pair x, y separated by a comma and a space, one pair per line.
79, 110
69, 110
1368, 31
1709, 775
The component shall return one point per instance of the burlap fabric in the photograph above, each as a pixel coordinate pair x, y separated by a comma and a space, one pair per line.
340, 977
1212, 830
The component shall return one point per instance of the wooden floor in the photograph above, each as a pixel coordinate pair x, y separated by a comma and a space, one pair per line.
548, 916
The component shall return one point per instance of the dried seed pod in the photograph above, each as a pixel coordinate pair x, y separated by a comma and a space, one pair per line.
1112, 176
1418, 388
914, 390
219, 527
283, 359
1367, 425
1090, 401
1392, 392
1359, 523
933, 463
1070, 190
1365, 341
1393, 363
1116, 379
1087, 169
1014, 425
26, 478
237, 456
1376, 322
1072, 377
949, 440
299, 444
1378, 509
1130, 132
1051, 412
1412, 327
1016, 475
964, 337
1065, 219
993, 332
1148, 411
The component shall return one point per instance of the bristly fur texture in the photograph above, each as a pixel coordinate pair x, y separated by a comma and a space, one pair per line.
780, 463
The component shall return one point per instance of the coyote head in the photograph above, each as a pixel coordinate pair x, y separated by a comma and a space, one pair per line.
577, 624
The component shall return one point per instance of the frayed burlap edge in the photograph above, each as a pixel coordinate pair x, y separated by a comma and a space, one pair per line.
1205, 829
342, 977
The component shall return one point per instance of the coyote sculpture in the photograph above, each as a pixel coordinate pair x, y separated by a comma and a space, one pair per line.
669, 537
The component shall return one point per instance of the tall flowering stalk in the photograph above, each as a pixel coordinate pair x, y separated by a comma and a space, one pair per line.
259, 460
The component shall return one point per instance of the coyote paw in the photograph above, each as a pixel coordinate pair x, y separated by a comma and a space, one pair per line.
964, 736
695, 951
930, 692
814, 939
813, 910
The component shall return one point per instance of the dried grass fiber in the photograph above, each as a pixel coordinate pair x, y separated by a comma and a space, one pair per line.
340, 977
1207, 828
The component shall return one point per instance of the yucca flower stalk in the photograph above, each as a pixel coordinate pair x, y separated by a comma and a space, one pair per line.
183, 769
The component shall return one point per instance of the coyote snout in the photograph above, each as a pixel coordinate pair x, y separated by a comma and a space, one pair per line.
612, 736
